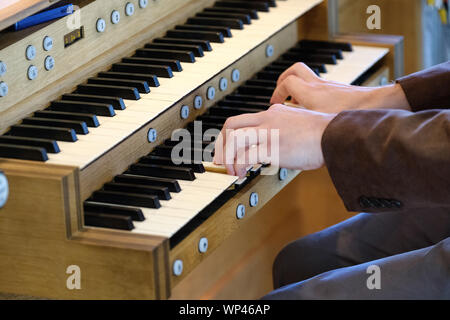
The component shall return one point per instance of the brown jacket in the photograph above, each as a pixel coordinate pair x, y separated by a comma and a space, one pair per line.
382, 160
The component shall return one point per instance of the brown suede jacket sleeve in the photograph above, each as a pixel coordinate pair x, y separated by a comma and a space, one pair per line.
384, 160
428, 89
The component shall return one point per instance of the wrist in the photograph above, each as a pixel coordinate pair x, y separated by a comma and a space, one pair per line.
386, 97
326, 120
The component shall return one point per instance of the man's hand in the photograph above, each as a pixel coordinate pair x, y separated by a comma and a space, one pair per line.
300, 137
309, 91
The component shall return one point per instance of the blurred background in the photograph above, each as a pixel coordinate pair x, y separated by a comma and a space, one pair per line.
424, 24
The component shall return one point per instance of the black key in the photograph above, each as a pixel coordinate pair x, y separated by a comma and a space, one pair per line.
289, 63
162, 171
167, 161
336, 52
212, 119
80, 127
230, 23
206, 45
116, 102
211, 136
199, 35
151, 79
129, 199
283, 63
223, 30
259, 91
172, 184
344, 46
230, 112
195, 48
23, 152
163, 71
141, 86
261, 83
112, 221
62, 134
245, 18
175, 65
187, 154
276, 69
268, 75
99, 109
104, 90
319, 66
51, 146
205, 126
198, 142
134, 213
257, 5
243, 104
166, 151
182, 55
161, 192
249, 98
90, 119
251, 12
271, 3
307, 57
316, 71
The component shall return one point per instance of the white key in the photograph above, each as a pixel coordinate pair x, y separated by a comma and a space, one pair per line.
354, 64
185, 205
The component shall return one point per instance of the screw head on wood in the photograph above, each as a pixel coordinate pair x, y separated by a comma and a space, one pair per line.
254, 199
152, 135
198, 102
203, 245
177, 268
269, 50
240, 211
184, 112
283, 174
235, 75
4, 189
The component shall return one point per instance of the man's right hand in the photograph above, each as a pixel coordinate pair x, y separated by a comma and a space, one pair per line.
309, 91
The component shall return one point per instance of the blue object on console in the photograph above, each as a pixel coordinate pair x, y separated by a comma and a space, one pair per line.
44, 17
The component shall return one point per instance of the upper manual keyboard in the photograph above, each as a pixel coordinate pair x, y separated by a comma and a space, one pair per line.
81, 126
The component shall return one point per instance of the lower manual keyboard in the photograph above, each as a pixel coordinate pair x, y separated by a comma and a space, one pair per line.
184, 204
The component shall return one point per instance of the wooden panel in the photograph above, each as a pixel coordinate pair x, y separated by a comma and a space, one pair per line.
36, 251
314, 24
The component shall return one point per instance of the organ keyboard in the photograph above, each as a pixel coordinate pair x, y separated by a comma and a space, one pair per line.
86, 148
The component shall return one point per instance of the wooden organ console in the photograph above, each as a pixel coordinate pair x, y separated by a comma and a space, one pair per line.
88, 104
